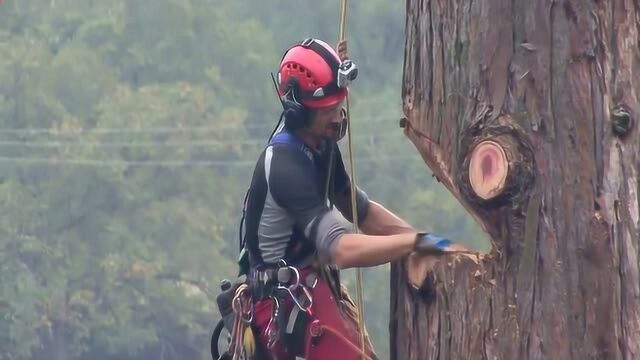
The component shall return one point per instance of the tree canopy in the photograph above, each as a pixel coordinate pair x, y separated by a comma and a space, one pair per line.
128, 133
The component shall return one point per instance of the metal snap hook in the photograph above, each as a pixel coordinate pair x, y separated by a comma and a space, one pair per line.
307, 309
311, 280
283, 263
250, 313
245, 315
295, 283
272, 332
295, 300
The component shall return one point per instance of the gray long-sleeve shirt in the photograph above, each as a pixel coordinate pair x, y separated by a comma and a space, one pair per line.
287, 209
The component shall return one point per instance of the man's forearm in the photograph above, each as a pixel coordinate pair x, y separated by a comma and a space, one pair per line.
380, 221
360, 250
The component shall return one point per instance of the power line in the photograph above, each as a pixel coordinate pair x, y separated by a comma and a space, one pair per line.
163, 163
145, 144
133, 144
162, 129
113, 163
105, 130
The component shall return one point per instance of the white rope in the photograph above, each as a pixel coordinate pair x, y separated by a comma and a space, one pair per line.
359, 279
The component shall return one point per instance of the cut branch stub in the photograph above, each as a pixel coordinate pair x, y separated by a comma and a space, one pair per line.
621, 121
495, 164
488, 169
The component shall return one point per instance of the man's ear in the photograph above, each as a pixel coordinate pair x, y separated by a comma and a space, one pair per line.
343, 125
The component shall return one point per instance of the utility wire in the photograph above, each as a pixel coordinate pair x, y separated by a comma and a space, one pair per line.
144, 144
160, 129
53, 161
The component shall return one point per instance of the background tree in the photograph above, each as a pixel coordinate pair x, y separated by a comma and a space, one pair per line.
532, 107
128, 132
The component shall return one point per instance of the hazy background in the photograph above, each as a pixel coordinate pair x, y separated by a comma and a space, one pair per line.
128, 132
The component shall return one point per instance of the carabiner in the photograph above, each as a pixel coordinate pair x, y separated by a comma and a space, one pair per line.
295, 299
295, 284
245, 315
310, 298
272, 331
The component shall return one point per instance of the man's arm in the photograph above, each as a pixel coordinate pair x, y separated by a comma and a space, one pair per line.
373, 217
381, 221
292, 186
360, 250
387, 238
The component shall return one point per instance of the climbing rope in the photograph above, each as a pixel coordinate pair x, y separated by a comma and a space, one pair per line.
354, 208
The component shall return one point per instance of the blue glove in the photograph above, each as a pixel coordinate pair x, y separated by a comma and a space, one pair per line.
427, 243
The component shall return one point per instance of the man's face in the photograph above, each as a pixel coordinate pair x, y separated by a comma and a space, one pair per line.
326, 122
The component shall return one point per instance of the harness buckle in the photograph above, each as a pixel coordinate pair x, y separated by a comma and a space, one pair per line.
285, 275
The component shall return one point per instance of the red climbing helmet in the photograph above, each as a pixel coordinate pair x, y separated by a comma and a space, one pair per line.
312, 72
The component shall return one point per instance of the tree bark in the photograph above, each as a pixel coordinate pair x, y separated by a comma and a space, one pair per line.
555, 84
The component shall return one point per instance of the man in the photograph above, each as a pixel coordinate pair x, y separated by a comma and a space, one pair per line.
295, 242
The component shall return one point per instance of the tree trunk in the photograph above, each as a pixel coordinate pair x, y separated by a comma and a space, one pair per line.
527, 111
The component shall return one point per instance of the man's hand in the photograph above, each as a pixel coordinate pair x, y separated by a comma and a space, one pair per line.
341, 49
427, 243
429, 250
431, 244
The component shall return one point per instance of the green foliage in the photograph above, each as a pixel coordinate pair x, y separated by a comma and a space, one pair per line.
128, 134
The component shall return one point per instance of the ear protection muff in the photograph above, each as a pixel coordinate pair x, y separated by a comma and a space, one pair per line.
296, 115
